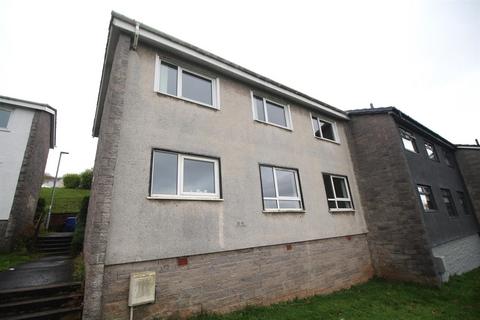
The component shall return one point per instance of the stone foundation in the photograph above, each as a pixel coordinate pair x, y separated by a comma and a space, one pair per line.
222, 282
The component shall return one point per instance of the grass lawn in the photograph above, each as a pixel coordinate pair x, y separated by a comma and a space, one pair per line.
9, 260
378, 299
66, 200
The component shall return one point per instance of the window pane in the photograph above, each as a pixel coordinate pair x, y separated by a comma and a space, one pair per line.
328, 186
408, 141
4, 116
327, 130
426, 198
196, 88
449, 158
270, 204
287, 204
198, 176
164, 179
168, 79
259, 111
449, 204
316, 128
332, 205
268, 185
344, 204
340, 188
287, 186
431, 154
276, 114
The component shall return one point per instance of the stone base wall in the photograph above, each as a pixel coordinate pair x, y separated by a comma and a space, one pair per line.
222, 282
459, 256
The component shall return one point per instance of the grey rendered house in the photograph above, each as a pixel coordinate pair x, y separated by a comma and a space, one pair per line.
27, 132
232, 188
422, 225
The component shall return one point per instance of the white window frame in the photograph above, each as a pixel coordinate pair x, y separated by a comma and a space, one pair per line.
278, 198
215, 84
434, 150
334, 127
180, 175
9, 118
286, 109
412, 138
432, 197
335, 199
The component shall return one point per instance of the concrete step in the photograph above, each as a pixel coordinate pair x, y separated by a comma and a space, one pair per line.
40, 304
38, 292
54, 248
74, 312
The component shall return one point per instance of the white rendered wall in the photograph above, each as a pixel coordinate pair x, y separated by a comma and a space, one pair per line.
13, 142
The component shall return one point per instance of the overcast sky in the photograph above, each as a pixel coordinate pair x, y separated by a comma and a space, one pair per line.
420, 56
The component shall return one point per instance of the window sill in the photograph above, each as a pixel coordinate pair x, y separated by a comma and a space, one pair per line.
284, 211
188, 100
327, 140
273, 124
4, 130
184, 198
430, 211
342, 210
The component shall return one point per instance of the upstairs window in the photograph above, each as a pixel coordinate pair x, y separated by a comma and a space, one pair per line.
338, 193
324, 129
175, 81
449, 160
448, 201
431, 152
464, 203
409, 141
426, 197
280, 189
271, 112
4, 117
176, 175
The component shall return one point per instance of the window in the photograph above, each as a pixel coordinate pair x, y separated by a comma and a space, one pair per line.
176, 81
323, 129
463, 202
409, 142
176, 175
271, 112
449, 160
426, 197
280, 189
338, 193
431, 153
4, 117
448, 201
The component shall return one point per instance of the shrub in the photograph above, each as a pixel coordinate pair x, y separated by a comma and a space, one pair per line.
77, 241
86, 179
71, 180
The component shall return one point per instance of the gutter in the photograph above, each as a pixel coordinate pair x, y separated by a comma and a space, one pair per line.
141, 32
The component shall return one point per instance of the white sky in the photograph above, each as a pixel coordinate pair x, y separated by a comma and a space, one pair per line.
420, 56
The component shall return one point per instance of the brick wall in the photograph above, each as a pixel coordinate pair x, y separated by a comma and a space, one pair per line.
397, 238
29, 181
98, 218
221, 282
469, 162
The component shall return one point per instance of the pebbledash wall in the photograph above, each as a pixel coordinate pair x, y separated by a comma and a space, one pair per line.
26, 141
236, 254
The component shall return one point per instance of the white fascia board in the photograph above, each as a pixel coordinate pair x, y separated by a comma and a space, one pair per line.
228, 69
28, 105
469, 147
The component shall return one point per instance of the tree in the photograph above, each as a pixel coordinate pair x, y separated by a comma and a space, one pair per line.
86, 179
71, 180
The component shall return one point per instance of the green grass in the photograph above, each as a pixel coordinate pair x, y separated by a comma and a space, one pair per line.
66, 200
377, 300
9, 260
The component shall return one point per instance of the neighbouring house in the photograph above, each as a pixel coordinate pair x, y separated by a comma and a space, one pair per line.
421, 222
234, 190
27, 132
49, 181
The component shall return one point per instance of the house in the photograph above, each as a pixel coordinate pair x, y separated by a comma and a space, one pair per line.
232, 189
216, 179
27, 132
420, 217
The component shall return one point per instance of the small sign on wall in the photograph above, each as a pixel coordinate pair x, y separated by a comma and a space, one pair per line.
142, 288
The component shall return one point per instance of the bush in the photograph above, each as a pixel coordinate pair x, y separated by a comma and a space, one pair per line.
71, 180
77, 241
86, 179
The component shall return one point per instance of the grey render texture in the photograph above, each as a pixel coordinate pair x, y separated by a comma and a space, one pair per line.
41, 138
221, 255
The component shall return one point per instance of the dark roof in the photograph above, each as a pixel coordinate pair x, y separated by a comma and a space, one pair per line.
404, 118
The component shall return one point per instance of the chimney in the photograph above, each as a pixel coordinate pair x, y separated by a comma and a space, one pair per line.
476, 140
371, 105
